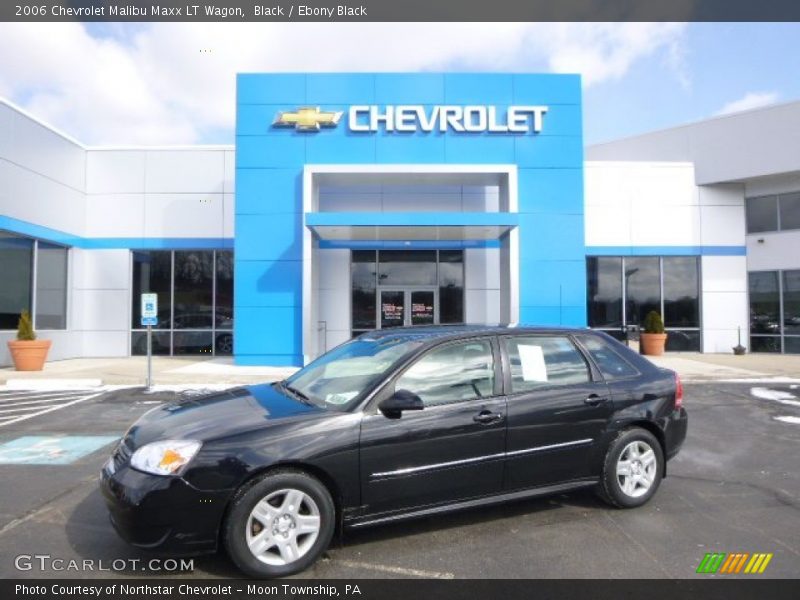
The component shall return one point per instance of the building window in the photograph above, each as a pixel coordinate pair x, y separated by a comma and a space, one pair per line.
669, 285
415, 287
51, 286
195, 301
21, 260
774, 311
779, 212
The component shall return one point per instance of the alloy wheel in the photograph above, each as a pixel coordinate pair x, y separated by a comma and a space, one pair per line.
282, 527
636, 469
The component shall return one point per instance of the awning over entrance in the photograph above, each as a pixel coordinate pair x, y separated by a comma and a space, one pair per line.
414, 226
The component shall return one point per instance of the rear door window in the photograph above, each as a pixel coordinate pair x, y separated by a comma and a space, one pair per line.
544, 361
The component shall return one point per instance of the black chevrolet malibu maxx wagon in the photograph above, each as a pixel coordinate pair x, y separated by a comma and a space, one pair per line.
394, 424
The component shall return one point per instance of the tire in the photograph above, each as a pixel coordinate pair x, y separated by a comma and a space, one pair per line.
302, 517
225, 344
632, 470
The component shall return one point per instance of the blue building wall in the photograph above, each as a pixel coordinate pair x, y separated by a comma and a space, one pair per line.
269, 165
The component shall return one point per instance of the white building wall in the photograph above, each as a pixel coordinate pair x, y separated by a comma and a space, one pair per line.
657, 205
42, 174
50, 180
409, 198
641, 204
482, 297
333, 296
154, 193
42, 181
724, 302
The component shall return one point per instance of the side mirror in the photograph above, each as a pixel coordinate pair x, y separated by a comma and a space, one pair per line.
401, 400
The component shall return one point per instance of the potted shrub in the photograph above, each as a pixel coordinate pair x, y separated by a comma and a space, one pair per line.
28, 353
653, 339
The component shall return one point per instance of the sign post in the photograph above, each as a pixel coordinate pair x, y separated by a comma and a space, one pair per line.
149, 318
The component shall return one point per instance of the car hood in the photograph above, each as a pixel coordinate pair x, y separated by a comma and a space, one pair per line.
218, 415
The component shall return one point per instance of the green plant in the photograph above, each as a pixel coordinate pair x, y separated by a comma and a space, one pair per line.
653, 323
25, 330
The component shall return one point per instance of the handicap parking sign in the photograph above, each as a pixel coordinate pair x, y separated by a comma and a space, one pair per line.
149, 306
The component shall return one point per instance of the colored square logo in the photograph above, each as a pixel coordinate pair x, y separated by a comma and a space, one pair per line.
51, 449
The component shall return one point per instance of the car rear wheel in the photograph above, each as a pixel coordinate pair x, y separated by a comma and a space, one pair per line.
280, 524
632, 470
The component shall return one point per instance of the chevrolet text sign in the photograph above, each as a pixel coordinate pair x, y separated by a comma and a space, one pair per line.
473, 119
412, 118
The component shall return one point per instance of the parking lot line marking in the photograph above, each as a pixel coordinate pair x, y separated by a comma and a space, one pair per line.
396, 570
19, 395
25, 402
51, 409
36, 395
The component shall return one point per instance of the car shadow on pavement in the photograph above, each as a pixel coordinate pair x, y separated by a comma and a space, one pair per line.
544, 510
91, 536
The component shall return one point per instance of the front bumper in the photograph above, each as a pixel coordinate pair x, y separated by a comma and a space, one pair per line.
163, 513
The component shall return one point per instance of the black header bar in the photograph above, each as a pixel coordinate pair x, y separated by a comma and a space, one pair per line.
734, 588
239, 11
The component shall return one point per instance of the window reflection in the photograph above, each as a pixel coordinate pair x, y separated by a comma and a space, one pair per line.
791, 302
16, 267
194, 281
201, 283
642, 288
451, 286
764, 302
51, 286
604, 281
761, 214
451, 374
412, 267
681, 292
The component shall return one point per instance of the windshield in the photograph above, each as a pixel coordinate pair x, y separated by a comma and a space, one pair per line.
337, 378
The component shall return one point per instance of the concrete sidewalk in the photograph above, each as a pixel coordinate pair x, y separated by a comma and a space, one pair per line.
91, 372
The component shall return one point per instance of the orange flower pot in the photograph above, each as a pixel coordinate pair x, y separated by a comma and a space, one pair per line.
652, 344
29, 355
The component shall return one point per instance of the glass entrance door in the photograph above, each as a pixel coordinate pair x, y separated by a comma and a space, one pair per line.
392, 307
402, 307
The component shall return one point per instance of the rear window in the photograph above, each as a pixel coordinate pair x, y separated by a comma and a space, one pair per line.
611, 364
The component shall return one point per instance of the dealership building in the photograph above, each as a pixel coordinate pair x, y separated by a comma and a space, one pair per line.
358, 201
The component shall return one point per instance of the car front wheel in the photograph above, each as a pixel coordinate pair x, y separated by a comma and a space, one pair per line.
280, 524
633, 469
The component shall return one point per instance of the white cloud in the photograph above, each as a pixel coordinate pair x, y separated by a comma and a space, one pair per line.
749, 101
153, 84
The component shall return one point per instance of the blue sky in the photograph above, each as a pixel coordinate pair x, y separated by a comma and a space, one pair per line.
174, 83
721, 62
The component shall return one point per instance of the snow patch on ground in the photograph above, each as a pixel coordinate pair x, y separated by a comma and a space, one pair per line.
775, 395
792, 420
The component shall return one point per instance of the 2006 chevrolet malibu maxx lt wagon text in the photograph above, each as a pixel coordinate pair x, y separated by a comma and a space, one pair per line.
397, 423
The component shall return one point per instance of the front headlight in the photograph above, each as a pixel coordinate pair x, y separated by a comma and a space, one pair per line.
166, 457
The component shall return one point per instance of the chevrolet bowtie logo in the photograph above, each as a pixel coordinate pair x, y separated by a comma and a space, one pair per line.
307, 118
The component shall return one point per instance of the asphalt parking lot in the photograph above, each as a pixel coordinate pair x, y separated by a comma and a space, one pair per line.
735, 487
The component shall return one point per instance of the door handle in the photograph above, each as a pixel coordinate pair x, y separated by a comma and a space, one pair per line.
486, 417
595, 400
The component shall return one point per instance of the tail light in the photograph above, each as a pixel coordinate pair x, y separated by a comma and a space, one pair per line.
678, 392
